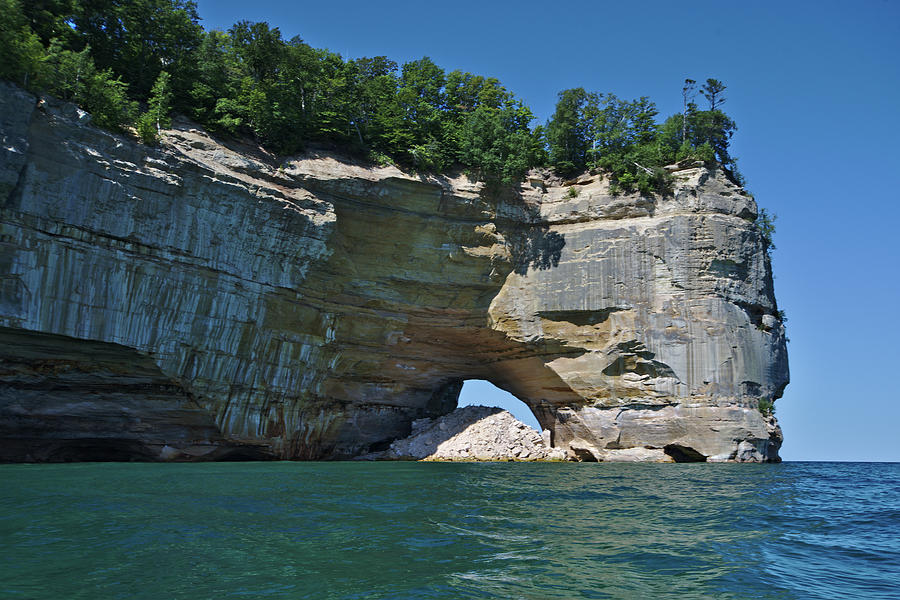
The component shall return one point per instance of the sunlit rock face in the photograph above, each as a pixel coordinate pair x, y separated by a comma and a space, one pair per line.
208, 301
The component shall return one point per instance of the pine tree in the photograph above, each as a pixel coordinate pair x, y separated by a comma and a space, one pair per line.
712, 91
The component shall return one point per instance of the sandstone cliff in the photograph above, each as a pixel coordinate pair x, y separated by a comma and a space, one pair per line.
204, 301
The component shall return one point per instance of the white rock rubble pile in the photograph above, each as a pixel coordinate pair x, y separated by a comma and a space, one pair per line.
477, 433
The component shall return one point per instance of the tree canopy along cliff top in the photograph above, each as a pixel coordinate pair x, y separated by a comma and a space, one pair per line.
131, 64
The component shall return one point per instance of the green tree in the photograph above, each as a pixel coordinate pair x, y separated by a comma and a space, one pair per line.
715, 128
688, 93
497, 143
620, 124
48, 19
765, 225
413, 123
151, 122
608, 126
337, 101
567, 132
642, 117
72, 76
463, 92
465, 95
20, 48
375, 85
259, 48
216, 73
705, 134
137, 39
161, 101
107, 100
263, 82
67, 74
668, 138
712, 90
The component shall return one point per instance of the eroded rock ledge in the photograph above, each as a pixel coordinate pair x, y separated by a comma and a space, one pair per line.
204, 301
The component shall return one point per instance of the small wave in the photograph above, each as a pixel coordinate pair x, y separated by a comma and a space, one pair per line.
507, 537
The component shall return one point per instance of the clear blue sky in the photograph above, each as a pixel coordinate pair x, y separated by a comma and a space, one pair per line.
815, 90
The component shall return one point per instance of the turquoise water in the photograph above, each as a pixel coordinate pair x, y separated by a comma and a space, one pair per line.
431, 530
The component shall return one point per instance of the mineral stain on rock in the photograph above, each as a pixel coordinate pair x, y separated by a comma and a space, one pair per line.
203, 301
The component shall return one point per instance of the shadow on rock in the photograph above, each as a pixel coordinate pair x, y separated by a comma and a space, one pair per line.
537, 247
531, 242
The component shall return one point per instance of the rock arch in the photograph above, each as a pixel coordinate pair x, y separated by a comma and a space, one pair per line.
313, 308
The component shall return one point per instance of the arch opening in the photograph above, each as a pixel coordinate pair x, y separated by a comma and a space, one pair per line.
479, 392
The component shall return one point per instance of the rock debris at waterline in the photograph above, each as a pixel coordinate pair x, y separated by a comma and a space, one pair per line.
203, 301
472, 433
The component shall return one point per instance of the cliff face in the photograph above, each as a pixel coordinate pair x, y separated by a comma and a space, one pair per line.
201, 301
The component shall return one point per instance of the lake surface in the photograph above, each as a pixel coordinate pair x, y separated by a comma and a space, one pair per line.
433, 530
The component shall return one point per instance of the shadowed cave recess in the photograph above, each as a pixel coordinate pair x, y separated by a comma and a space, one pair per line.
201, 301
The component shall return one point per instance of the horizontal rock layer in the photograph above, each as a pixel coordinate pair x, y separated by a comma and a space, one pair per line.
205, 300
